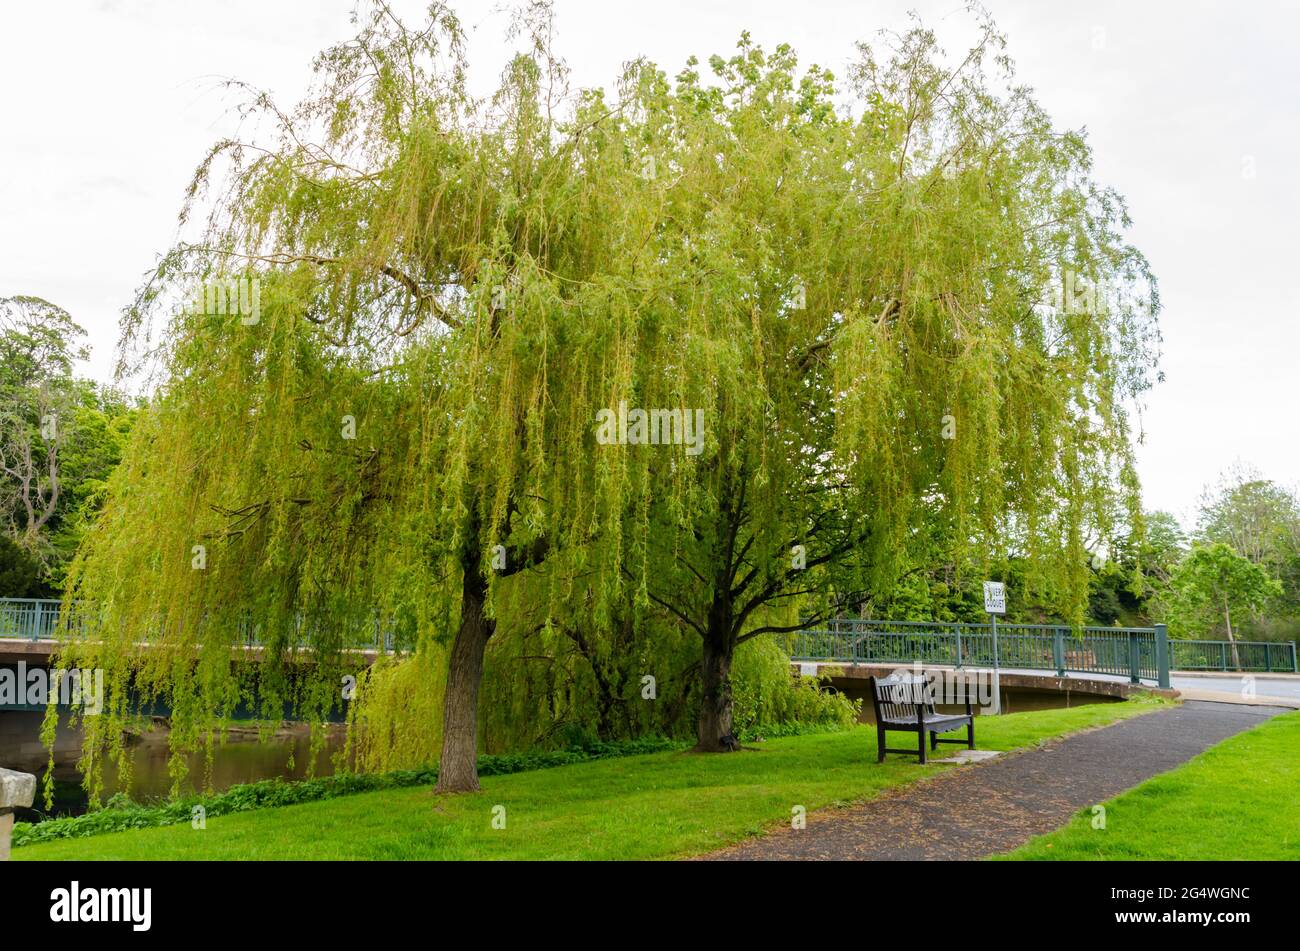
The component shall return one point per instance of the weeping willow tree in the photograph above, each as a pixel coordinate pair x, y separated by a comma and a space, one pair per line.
912, 311
708, 352
401, 425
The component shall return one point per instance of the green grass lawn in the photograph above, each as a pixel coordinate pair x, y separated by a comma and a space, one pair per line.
1237, 800
641, 807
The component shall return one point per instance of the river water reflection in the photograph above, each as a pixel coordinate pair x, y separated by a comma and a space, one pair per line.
242, 759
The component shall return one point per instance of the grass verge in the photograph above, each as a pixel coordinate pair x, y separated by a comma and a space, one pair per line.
274, 793
660, 805
1237, 800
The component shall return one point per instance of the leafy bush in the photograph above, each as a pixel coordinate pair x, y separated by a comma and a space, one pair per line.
764, 692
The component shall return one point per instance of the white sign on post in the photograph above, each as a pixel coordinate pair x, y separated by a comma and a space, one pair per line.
995, 603
995, 597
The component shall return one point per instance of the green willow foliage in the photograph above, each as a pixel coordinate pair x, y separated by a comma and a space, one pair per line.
549, 694
854, 285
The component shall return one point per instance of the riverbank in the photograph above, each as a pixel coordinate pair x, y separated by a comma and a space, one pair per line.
655, 806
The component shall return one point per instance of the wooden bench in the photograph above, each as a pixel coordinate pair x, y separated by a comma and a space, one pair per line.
905, 704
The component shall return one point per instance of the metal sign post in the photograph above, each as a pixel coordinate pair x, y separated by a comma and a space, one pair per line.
995, 603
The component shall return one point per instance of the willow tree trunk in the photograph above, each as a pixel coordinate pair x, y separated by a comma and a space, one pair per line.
458, 766
714, 728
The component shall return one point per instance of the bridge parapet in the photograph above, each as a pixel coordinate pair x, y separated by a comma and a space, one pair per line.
40, 622
1134, 652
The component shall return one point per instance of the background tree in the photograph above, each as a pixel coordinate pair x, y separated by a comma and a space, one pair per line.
95, 436
1159, 548
1257, 518
38, 344
1260, 520
60, 435
21, 575
1129, 583
1211, 585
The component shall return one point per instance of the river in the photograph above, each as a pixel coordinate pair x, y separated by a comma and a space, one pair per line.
241, 759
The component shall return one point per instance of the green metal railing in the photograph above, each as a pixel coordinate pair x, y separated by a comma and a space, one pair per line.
1260, 656
28, 618
34, 620
1139, 653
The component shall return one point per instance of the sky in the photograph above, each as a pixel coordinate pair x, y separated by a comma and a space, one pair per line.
1192, 109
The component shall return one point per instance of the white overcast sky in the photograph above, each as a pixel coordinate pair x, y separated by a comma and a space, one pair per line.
1193, 110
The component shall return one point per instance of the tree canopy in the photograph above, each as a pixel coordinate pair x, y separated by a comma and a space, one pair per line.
60, 435
898, 307
1212, 584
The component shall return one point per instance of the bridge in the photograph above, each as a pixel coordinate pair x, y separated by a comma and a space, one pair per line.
29, 630
1138, 653
1111, 661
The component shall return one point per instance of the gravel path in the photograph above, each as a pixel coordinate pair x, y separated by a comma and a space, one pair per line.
970, 812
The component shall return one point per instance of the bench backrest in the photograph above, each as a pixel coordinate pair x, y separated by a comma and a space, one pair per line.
898, 697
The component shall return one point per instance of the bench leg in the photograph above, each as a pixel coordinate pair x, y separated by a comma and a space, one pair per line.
880, 743
934, 741
970, 734
920, 744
